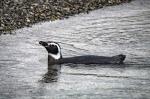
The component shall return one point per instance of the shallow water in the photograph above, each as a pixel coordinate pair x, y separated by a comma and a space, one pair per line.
108, 31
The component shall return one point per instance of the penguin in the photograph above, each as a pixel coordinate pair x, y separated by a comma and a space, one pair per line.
55, 56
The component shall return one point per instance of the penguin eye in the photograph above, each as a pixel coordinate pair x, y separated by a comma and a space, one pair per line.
52, 49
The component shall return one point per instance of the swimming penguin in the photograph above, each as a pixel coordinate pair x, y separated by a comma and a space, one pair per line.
55, 56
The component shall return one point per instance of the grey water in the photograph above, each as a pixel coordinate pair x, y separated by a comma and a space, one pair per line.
108, 31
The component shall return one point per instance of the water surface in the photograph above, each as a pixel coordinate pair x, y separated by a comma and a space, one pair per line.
108, 31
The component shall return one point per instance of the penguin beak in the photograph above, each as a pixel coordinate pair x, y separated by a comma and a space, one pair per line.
43, 43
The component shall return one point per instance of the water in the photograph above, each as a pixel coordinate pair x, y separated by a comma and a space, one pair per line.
108, 31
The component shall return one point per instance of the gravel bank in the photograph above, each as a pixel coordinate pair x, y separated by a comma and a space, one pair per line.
19, 13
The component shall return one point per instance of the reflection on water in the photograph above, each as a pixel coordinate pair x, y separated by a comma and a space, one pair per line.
52, 74
108, 31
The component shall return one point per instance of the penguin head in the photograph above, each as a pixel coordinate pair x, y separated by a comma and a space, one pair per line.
53, 48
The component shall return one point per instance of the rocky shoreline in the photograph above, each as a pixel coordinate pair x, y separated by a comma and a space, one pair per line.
20, 13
